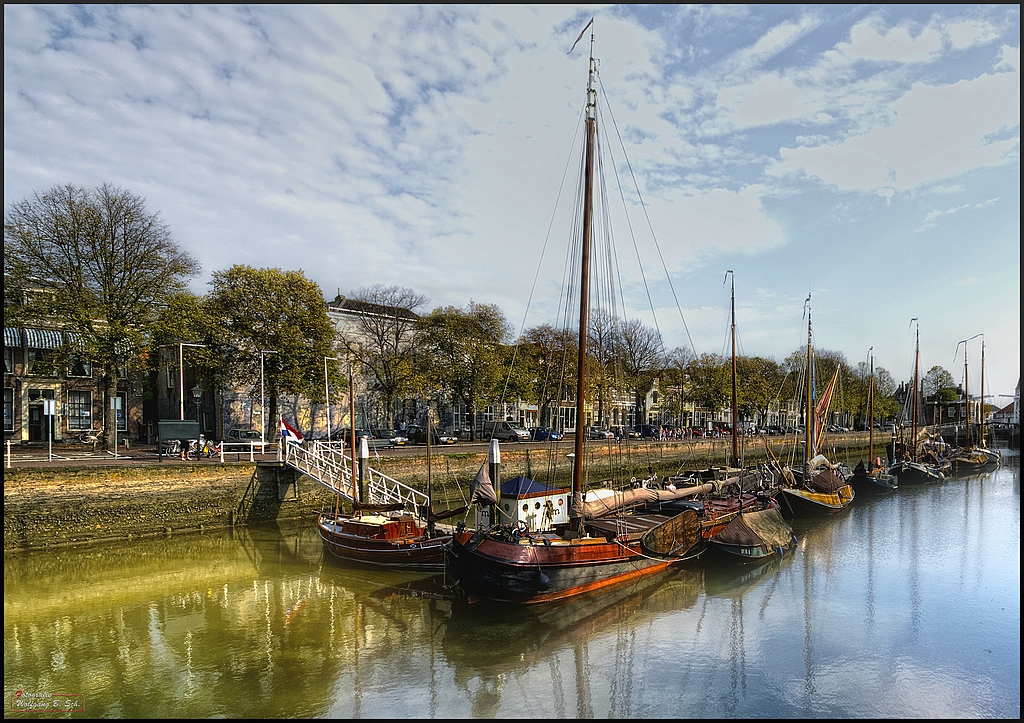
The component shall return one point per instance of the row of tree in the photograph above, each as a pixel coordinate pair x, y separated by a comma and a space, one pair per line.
110, 271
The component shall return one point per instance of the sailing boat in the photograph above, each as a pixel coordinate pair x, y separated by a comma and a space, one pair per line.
738, 491
386, 535
819, 486
872, 479
600, 544
908, 466
970, 457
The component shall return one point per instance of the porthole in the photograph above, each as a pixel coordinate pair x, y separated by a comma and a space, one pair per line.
526, 507
536, 506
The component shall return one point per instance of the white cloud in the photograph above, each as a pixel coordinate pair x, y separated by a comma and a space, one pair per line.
869, 42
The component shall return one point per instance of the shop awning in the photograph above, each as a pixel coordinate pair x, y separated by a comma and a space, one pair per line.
43, 339
12, 337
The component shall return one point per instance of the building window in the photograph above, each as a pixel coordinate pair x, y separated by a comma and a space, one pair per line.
9, 359
79, 410
8, 409
80, 367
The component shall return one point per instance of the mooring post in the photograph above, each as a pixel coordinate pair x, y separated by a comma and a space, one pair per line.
494, 469
364, 459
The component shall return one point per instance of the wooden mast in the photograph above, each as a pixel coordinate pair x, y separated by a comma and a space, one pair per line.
581, 357
735, 415
809, 425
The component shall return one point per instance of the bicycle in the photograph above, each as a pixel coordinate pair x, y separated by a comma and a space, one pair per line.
89, 436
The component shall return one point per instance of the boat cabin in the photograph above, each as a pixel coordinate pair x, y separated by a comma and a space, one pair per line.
382, 528
535, 504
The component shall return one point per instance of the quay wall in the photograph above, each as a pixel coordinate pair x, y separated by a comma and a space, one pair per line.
55, 506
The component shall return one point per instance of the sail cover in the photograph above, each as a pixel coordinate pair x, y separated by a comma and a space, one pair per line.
480, 489
763, 527
821, 410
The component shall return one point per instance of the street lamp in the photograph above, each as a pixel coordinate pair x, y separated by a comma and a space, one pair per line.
197, 398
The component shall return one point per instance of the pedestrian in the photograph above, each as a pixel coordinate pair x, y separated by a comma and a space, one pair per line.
183, 448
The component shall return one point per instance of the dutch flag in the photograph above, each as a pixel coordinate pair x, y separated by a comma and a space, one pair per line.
290, 433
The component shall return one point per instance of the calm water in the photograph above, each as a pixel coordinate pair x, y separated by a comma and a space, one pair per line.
905, 606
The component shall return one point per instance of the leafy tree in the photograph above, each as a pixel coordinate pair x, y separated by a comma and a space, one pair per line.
710, 381
547, 357
382, 340
276, 311
464, 355
937, 386
602, 342
105, 263
757, 385
676, 381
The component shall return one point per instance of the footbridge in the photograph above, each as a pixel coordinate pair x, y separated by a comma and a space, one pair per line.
332, 468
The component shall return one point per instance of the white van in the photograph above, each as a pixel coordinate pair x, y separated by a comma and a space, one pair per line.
505, 432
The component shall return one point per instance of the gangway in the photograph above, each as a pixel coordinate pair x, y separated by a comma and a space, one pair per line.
333, 469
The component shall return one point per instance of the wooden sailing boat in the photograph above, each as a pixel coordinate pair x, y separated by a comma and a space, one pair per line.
386, 535
600, 545
971, 457
908, 466
873, 478
738, 491
819, 486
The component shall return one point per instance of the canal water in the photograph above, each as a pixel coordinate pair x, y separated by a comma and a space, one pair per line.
904, 606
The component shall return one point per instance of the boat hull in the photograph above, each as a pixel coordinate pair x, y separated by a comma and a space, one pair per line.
874, 483
546, 568
420, 552
800, 501
916, 473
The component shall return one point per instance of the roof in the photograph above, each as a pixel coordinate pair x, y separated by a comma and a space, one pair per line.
365, 308
526, 487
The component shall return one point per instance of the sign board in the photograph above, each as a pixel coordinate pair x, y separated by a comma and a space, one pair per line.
115, 402
50, 407
177, 429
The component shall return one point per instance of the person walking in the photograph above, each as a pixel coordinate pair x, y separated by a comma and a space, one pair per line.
183, 449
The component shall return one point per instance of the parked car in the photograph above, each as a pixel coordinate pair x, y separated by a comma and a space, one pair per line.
648, 431
625, 432
244, 435
600, 433
696, 431
505, 431
774, 430
397, 438
415, 434
545, 434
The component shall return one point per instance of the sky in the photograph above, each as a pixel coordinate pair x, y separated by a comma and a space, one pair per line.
867, 157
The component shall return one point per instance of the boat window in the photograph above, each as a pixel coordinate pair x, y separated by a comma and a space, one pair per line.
526, 507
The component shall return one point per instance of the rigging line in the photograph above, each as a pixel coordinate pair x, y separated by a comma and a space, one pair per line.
540, 262
629, 224
643, 205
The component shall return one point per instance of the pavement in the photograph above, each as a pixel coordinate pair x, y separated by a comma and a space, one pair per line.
79, 455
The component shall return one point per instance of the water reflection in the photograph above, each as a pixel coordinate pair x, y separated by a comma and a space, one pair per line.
897, 608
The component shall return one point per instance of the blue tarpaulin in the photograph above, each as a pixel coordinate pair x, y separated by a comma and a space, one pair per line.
523, 486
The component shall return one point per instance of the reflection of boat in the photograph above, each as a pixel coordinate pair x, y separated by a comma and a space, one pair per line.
593, 549
819, 486
872, 479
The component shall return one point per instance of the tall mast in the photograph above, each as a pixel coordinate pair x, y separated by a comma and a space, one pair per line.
982, 420
967, 402
735, 415
917, 355
809, 433
581, 357
871, 413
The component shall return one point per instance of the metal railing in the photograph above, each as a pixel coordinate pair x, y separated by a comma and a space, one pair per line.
329, 466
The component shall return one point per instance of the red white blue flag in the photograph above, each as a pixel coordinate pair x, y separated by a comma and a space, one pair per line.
290, 433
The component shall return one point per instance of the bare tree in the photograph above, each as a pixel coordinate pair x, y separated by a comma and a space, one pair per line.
106, 264
382, 338
641, 355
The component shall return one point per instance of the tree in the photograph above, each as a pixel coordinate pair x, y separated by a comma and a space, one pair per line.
383, 340
641, 355
757, 385
710, 382
547, 358
464, 355
106, 264
270, 310
676, 381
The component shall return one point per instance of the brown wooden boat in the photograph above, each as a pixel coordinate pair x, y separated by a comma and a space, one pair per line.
392, 540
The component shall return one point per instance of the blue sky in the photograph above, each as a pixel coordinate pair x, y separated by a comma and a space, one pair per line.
866, 155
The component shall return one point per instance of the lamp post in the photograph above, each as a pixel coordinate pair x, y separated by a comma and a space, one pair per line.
197, 397
181, 375
263, 413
